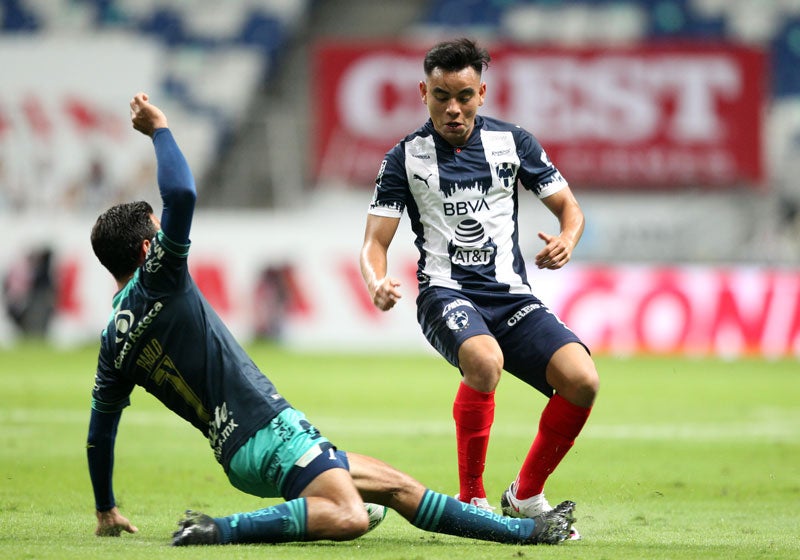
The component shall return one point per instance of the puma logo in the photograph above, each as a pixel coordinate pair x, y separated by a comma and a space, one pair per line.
424, 180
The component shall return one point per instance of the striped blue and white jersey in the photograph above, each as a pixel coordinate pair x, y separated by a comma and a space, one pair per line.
463, 202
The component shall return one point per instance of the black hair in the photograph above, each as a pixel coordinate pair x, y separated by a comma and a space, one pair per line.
118, 234
455, 55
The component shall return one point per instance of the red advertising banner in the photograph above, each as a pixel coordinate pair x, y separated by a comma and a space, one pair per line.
681, 310
312, 297
650, 116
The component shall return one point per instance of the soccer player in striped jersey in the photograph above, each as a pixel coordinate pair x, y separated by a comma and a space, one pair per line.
457, 177
163, 336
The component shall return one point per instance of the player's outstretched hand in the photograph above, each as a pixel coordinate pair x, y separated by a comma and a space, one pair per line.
145, 116
111, 523
386, 294
556, 252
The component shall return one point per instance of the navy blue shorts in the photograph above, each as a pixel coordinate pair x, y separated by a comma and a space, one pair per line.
526, 330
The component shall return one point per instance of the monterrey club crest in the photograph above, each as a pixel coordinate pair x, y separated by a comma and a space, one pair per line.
506, 174
457, 320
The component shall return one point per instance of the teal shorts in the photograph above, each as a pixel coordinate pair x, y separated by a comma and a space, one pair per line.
282, 458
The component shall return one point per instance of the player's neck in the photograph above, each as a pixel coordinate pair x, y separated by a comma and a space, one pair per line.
122, 282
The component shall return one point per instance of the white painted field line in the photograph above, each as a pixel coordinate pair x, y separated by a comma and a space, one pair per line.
766, 424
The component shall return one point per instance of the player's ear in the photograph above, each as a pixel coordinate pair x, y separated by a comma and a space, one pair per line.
481, 93
143, 250
423, 91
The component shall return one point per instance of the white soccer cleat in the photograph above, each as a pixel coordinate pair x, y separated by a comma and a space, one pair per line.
480, 503
529, 507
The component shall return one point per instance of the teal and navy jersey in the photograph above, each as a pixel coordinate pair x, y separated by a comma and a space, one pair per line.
462, 202
164, 336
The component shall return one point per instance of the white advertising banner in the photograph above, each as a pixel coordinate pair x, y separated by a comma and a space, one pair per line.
295, 278
66, 142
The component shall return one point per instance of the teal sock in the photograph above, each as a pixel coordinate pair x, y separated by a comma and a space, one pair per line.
282, 523
442, 514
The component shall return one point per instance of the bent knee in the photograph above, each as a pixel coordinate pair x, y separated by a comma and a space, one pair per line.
579, 383
351, 523
585, 388
481, 362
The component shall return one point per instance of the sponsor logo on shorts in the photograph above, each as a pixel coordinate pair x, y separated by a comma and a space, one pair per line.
517, 317
456, 303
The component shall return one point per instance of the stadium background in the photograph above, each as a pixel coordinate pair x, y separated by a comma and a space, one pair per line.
692, 237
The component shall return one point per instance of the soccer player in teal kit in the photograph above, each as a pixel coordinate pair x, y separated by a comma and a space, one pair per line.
163, 336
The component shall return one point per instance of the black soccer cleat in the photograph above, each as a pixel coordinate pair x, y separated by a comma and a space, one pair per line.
553, 527
574, 535
195, 528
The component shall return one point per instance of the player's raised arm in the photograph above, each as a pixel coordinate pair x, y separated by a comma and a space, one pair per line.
146, 117
175, 179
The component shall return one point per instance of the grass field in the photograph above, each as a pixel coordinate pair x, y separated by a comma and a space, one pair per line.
681, 459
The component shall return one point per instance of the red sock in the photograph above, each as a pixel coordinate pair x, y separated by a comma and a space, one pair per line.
560, 424
473, 412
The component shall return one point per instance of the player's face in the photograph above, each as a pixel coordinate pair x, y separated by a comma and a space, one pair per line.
453, 99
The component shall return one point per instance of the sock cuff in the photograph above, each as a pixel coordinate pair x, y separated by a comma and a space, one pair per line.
224, 527
563, 417
467, 394
474, 416
430, 510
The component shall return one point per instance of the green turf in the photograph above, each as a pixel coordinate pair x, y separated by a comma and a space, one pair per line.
681, 459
